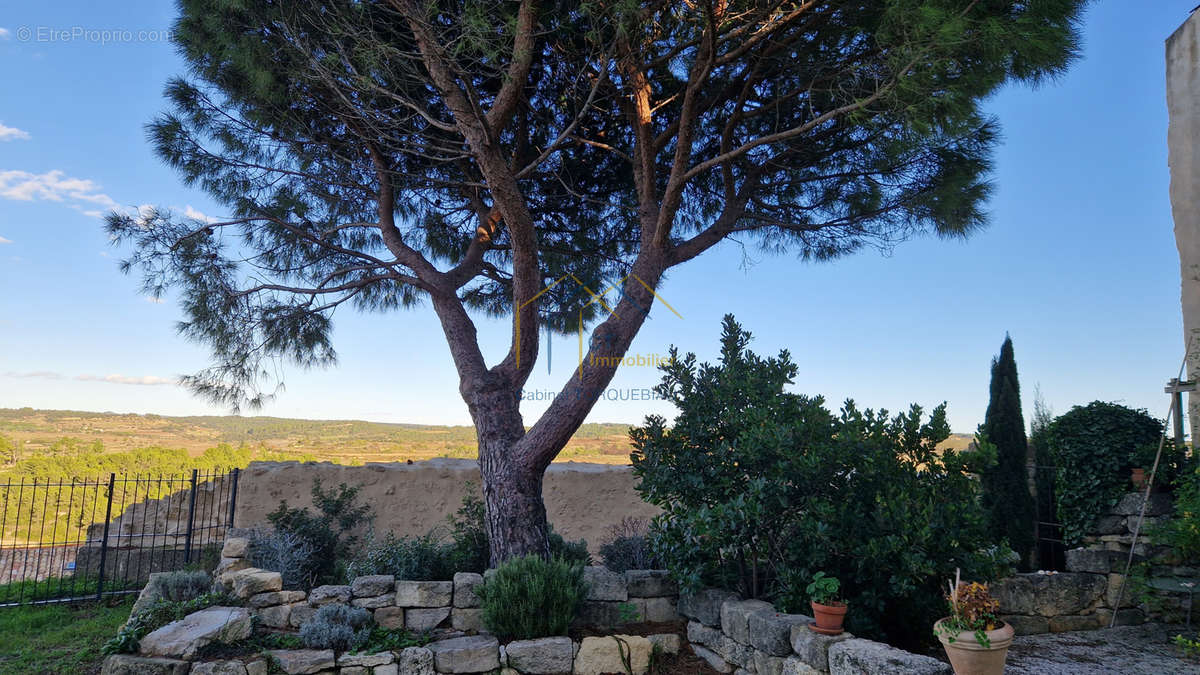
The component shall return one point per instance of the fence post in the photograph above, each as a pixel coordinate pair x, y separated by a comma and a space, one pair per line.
187, 555
112, 482
233, 499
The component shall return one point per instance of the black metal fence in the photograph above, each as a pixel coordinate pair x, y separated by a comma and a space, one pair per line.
62, 541
1050, 551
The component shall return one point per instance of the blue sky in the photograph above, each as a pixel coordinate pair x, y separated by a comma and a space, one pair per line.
1079, 265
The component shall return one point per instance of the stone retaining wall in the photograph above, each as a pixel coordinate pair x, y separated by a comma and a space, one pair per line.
1086, 595
749, 636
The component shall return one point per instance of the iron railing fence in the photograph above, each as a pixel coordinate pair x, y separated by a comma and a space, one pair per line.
69, 540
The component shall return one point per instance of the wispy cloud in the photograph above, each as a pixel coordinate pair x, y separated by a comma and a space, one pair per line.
4, 33
5, 241
196, 214
145, 380
13, 133
152, 380
153, 300
54, 186
37, 374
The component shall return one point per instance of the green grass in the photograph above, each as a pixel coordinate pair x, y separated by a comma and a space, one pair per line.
67, 587
58, 638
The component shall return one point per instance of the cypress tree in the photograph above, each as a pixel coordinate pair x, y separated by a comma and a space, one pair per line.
1006, 495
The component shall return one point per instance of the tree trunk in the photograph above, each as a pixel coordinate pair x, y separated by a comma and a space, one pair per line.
512, 488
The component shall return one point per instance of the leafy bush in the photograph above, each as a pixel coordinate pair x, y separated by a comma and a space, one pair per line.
762, 488
157, 615
285, 552
338, 627
423, 558
1173, 465
628, 547
1182, 531
573, 552
468, 549
181, 586
329, 531
1093, 449
532, 597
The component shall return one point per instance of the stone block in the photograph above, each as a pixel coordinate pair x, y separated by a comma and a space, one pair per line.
252, 581
391, 618
226, 567
366, 660
300, 614
303, 661
601, 655
705, 605
698, 633
656, 610
464, 589
713, 659
735, 618
278, 616
667, 643
128, 664
765, 664
354, 670
857, 656
544, 656
1159, 504
218, 668
605, 584
324, 595
771, 632
1110, 525
472, 654
259, 667
597, 613
372, 585
1116, 582
272, 598
650, 584
1026, 625
1125, 617
813, 647
735, 652
376, 602
794, 665
235, 547
423, 619
1066, 593
184, 638
468, 619
1015, 594
414, 661
389, 669
1093, 560
424, 593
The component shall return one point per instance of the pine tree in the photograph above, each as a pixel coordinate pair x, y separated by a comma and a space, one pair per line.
1006, 495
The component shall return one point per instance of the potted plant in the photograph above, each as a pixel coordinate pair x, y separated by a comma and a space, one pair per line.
827, 609
975, 640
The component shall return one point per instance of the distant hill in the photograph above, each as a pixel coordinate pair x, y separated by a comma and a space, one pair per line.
343, 441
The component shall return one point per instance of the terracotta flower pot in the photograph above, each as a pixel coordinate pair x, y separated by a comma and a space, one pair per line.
968, 657
829, 618
1138, 477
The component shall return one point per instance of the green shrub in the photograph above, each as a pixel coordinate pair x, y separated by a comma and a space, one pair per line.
573, 552
338, 627
329, 531
1182, 531
181, 586
468, 548
629, 547
423, 558
531, 597
761, 488
1093, 448
1173, 465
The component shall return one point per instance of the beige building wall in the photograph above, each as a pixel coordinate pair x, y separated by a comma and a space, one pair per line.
1183, 142
582, 500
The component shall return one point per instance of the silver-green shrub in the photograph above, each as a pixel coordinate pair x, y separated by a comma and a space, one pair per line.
338, 627
283, 552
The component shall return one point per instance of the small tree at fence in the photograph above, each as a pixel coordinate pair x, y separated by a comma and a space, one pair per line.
380, 153
1006, 494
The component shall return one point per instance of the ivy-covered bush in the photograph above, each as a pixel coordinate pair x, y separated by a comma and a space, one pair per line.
338, 627
1093, 448
761, 488
330, 531
531, 597
628, 547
